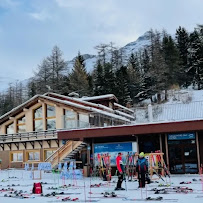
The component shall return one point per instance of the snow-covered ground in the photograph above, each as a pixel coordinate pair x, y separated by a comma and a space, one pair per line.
82, 186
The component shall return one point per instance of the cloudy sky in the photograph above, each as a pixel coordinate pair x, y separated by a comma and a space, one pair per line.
30, 28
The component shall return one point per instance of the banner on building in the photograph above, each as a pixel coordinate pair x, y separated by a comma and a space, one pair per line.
112, 150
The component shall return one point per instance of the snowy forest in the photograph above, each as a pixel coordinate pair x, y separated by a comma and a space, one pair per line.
167, 62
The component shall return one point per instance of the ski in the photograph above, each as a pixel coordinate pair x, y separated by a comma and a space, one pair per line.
18, 196
149, 199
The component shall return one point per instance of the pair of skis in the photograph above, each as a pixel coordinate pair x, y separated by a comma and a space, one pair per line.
130, 165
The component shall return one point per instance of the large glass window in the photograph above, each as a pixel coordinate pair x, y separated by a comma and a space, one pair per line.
33, 156
70, 119
10, 129
83, 120
51, 117
21, 126
17, 156
38, 123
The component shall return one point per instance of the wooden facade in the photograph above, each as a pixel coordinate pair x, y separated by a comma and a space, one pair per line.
28, 133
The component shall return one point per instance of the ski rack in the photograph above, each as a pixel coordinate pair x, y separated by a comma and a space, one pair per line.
104, 166
157, 165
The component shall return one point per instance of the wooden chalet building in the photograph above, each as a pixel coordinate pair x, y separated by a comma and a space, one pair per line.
28, 133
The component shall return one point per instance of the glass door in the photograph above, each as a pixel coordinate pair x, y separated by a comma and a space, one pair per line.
183, 157
190, 159
176, 159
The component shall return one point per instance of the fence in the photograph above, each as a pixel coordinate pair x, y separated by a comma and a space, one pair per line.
169, 112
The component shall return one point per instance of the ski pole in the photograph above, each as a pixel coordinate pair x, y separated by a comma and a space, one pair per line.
125, 183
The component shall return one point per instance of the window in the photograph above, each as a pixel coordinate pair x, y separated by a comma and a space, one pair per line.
83, 120
51, 117
21, 127
48, 153
33, 156
70, 119
10, 129
16, 156
38, 123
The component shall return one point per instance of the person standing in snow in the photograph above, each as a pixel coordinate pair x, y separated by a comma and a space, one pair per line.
120, 169
142, 169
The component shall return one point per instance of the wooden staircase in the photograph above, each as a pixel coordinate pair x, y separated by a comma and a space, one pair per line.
65, 153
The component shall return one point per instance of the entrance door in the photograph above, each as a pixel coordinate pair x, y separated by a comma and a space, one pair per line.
183, 156
190, 159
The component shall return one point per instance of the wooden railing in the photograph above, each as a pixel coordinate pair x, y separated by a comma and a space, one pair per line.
63, 152
18, 137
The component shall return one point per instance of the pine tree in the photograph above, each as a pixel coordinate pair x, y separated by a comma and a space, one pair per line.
109, 79
195, 58
147, 81
102, 50
182, 41
122, 90
79, 78
171, 57
134, 77
57, 66
98, 79
42, 80
158, 65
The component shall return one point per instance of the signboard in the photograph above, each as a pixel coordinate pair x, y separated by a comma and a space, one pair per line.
112, 149
181, 136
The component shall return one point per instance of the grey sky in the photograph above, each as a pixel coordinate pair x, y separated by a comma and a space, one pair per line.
30, 28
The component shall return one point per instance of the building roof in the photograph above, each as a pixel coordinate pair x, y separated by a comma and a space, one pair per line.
100, 98
126, 130
71, 102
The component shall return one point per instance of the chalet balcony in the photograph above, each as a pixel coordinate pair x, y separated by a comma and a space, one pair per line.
29, 136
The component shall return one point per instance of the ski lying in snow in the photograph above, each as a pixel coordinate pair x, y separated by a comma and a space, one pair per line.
199, 196
76, 200
106, 197
53, 194
18, 196
149, 199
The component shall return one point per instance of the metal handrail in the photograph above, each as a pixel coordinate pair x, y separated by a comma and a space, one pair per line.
28, 135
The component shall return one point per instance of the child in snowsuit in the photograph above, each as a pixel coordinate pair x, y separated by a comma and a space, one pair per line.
120, 169
142, 169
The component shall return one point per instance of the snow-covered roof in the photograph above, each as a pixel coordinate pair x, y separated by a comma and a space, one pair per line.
123, 107
81, 101
72, 103
106, 96
90, 109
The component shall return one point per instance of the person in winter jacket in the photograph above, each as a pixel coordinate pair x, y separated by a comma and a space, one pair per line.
120, 169
142, 169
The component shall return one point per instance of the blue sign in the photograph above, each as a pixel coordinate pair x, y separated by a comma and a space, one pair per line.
113, 147
181, 136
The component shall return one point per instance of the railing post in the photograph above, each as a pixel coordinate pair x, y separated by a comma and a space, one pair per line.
150, 114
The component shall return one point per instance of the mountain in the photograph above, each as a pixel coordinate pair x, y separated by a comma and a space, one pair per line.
127, 50
90, 60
